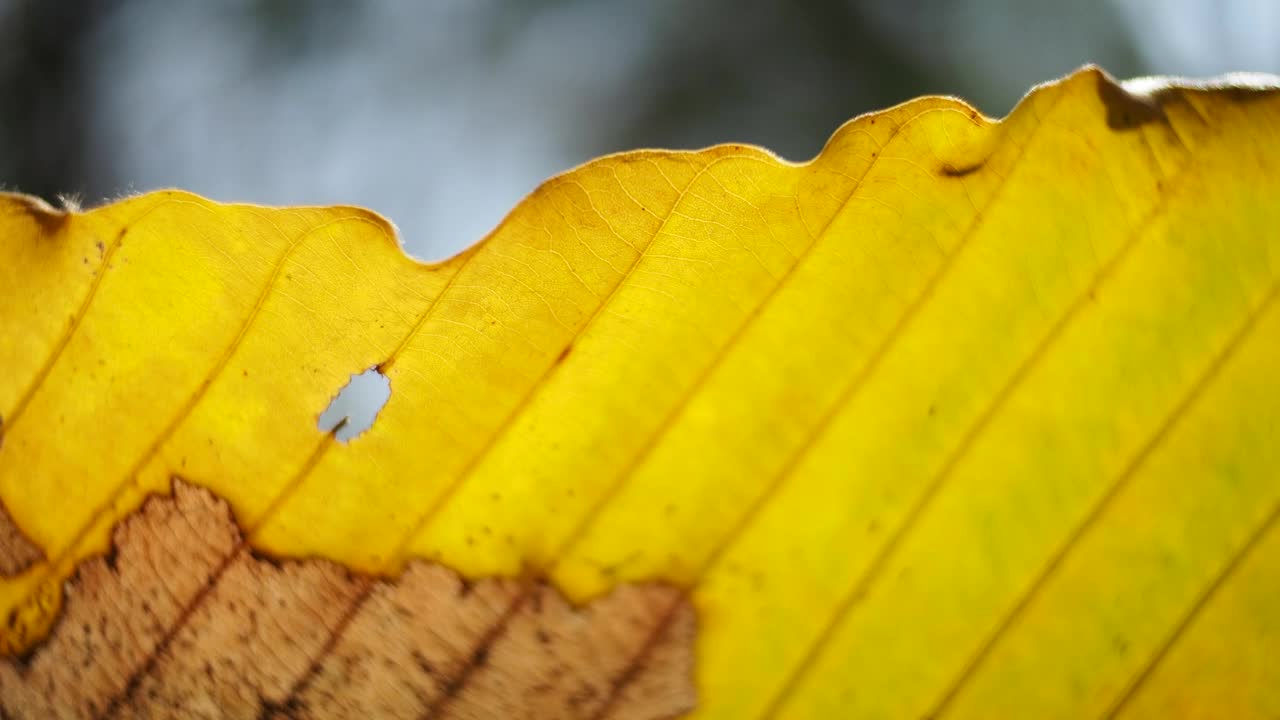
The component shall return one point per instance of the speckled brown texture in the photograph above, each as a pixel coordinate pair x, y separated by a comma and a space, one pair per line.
17, 553
182, 620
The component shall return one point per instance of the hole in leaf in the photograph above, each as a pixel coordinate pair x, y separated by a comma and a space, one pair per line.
359, 402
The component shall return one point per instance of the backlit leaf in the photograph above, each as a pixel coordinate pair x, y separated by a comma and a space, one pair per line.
962, 418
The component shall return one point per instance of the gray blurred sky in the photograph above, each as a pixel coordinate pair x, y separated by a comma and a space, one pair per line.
443, 114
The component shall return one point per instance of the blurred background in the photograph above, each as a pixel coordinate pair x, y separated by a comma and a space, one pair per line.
442, 114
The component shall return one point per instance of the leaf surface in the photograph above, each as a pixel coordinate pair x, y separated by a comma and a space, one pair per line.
961, 418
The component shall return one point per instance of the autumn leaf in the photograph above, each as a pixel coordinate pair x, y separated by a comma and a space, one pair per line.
961, 418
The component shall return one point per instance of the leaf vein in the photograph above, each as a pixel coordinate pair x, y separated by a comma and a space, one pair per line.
1114, 490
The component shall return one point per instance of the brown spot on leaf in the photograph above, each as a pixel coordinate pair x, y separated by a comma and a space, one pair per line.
49, 218
186, 622
564, 353
1126, 110
17, 552
954, 171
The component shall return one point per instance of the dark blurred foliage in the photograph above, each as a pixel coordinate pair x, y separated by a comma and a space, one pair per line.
780, 73
44, 122
442, 113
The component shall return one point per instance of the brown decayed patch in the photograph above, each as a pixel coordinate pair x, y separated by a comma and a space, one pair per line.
181, 620
17, 552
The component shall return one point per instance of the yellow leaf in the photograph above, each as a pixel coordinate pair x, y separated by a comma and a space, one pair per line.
961, 418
